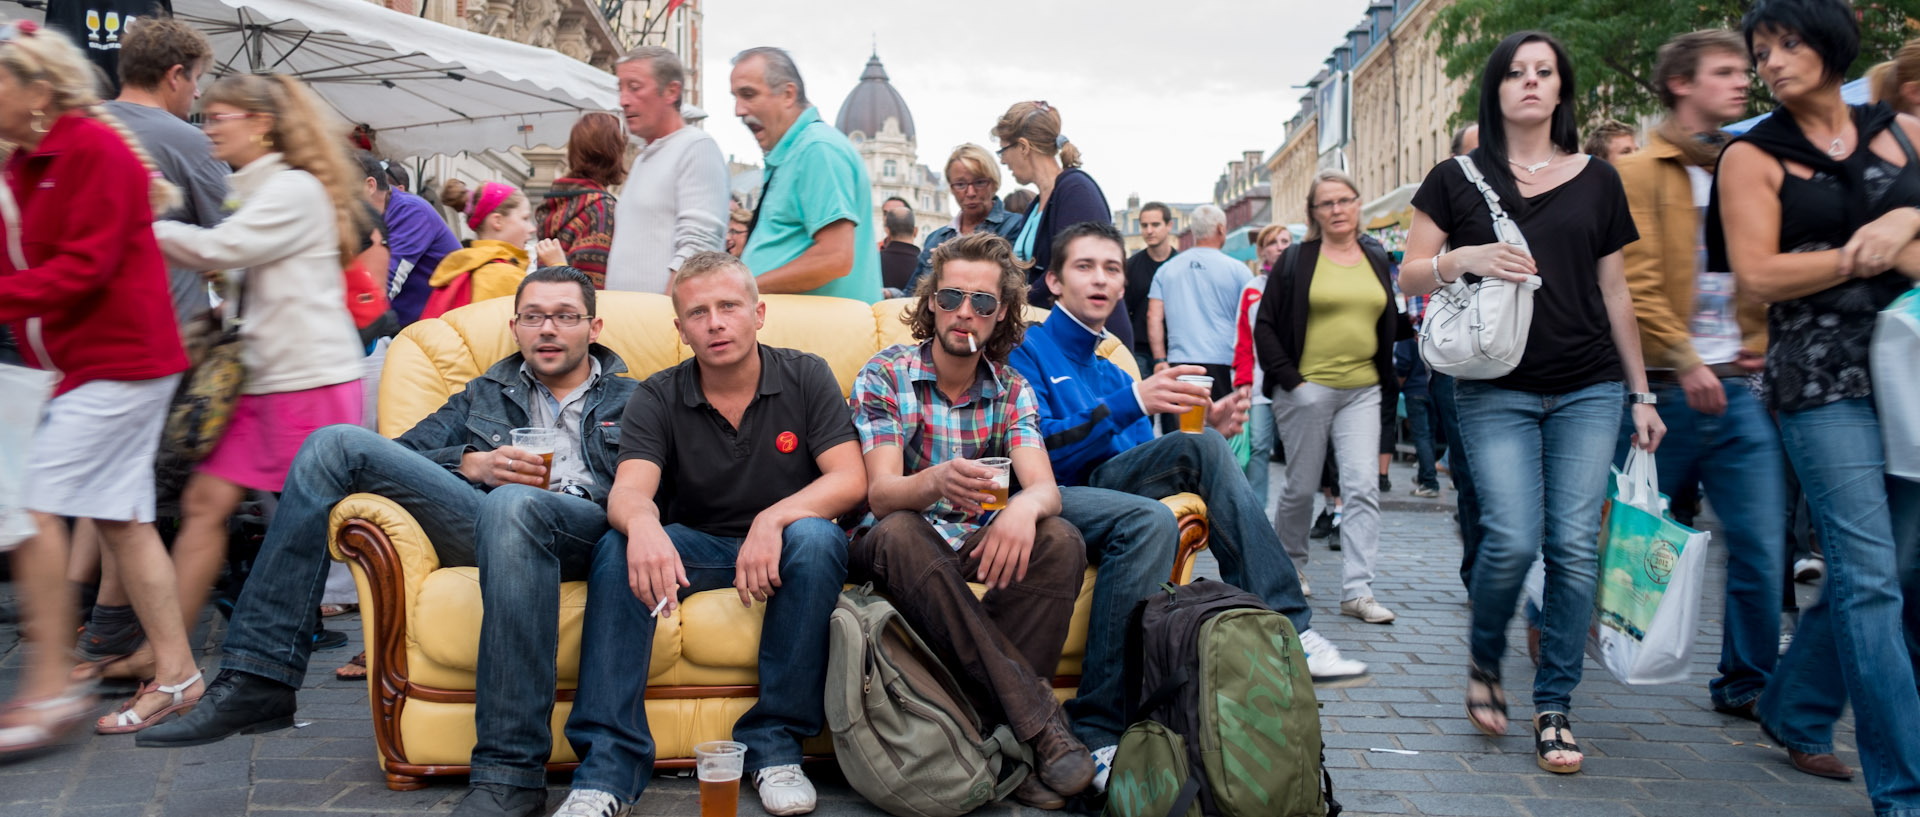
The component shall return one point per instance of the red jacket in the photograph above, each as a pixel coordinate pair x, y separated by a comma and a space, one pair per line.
94, 275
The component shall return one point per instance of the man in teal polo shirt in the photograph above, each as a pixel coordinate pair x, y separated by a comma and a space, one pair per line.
812, 233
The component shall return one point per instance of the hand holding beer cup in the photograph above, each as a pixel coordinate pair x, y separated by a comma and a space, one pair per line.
965, 484
1169, 392
529, 461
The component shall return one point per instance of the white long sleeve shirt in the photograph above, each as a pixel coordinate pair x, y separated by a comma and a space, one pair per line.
674, 205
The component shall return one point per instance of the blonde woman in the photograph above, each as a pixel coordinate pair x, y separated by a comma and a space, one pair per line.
292, 231
974, 179
1897, 81
88, 299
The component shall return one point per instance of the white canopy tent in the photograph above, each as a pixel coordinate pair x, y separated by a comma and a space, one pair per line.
423, 87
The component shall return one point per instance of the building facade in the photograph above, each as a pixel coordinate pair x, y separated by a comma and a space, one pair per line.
876, 118
1128, 221
1402, 99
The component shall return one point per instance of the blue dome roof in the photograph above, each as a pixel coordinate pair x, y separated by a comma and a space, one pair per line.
870, 103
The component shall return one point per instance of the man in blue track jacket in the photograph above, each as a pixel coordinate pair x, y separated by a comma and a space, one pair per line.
1113, 472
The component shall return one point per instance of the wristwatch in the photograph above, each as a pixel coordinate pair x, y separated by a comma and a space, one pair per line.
1635, 398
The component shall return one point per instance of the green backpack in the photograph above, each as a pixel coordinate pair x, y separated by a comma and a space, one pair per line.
1224, 716
903, 733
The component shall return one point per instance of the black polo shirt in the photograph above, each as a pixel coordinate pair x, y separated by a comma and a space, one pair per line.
715, 478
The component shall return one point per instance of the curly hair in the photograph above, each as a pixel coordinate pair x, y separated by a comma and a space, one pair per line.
308, 137
152, 46
977, 246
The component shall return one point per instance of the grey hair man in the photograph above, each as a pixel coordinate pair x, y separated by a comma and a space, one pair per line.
675, 203
1192, 303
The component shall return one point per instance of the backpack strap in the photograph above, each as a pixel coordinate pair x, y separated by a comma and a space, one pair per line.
1326, 791
1183, 801
1017, 753
1130, 665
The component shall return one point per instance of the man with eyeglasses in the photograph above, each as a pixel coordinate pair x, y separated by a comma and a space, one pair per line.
961, 490
482, 501
1191, 307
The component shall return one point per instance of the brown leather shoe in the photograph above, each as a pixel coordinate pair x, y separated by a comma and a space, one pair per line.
1821, 765
1035, 794
1060, 760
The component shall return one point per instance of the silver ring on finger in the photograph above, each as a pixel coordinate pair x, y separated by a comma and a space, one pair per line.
513, 465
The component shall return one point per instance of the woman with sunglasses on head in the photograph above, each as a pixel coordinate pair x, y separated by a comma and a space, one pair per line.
296, 223
974, 178
1816, 214
1541, 438
1037, 153
88, 300
1324, 336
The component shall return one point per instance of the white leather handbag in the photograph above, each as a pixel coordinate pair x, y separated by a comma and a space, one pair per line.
1478, 331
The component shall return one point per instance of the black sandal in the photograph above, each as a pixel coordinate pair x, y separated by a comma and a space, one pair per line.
1495, 701
1541, 746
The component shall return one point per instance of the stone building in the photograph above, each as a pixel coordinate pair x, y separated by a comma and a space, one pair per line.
1128, 221
875, 117
1402, 99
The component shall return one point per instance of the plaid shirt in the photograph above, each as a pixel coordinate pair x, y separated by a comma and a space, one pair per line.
897, 401
1417, 310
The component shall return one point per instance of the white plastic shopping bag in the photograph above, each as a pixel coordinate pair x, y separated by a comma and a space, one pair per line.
27, 391
1651, 572
1896, 382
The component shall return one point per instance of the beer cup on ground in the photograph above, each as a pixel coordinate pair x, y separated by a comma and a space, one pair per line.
1002, 480
719, 764
540, 441
1194, 419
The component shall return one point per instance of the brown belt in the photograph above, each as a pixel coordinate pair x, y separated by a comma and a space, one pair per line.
1720, 370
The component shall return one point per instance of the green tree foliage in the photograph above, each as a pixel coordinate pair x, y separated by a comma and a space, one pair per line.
1612, 43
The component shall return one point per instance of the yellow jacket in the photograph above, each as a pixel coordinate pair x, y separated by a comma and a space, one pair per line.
490, 279
1661, 265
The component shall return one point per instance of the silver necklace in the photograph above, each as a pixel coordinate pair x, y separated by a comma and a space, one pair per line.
1535, 168
1835, 148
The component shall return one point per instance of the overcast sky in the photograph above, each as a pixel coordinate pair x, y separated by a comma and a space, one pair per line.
1159, 97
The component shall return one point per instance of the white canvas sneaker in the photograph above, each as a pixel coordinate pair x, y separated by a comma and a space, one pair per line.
785, 790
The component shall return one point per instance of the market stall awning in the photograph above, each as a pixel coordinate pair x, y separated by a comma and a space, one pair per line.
1394, 209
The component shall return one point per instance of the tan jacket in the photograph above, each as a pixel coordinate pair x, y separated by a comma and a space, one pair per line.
1661, 265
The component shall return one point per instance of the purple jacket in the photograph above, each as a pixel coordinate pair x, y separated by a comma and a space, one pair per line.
417, 239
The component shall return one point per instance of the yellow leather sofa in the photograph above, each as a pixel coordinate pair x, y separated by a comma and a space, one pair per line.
422, 622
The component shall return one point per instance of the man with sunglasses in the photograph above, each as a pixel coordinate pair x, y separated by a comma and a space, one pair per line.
1114, 472
960, 490
482, 501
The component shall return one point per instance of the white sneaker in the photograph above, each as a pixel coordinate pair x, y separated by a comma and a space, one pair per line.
591, 803
1809, 570
1305, 589
1367, 610
1324, 662
785, 790
1102, 766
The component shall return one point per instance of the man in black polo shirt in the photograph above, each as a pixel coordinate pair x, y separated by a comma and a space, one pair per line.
732, 467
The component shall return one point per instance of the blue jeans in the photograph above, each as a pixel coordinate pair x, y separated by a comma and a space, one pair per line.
608, 727
1260, 467
1131, 537
1737, 456
1420, 416
525, 541
1532, 452
1466, 499
1855, 626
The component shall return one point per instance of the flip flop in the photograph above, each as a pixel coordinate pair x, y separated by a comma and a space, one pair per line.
354, 670
331, 610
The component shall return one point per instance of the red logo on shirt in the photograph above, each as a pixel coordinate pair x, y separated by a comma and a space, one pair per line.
786, 442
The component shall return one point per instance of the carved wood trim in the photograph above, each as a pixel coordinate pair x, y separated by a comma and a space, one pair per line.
1193, 539
366, 545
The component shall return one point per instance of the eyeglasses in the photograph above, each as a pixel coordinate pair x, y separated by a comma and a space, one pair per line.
1337, 204
1002, 152
564, 320
210, 119
984, 303
976, 184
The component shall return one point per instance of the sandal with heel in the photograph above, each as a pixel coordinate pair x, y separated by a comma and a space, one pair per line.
127, 720
29, 726
1556, 721
1495, 701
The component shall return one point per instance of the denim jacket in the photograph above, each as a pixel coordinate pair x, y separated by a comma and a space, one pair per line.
1000, 221
483, 417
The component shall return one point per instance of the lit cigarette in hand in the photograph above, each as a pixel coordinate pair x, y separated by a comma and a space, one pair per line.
661, 606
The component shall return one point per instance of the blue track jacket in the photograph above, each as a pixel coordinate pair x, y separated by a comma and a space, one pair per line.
1088, 411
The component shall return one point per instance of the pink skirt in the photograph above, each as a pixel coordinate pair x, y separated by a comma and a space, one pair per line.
267, 430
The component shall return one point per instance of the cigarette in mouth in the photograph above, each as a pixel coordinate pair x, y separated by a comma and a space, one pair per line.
971, 346
661, 606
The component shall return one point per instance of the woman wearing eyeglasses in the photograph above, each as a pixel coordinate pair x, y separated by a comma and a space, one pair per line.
1037, 153
1324, 339
974, 178
295, 225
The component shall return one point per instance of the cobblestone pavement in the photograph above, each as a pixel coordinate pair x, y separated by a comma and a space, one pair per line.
1651, 751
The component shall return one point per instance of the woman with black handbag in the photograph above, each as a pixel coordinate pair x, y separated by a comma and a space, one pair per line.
1541, 436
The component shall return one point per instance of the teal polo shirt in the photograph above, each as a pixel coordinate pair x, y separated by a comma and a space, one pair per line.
818, 179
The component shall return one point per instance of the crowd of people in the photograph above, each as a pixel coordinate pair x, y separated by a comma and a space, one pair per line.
1707, 296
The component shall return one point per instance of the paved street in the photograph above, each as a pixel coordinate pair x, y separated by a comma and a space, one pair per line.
1650, 751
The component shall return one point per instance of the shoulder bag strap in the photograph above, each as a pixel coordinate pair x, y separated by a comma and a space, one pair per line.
1900, 135
1503, 225
10, 214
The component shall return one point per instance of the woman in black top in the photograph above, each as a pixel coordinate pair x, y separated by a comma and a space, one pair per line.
1816, 206
1543, 436
1037, 153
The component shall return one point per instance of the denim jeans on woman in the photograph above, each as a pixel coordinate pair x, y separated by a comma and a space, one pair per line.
1530, 453
1855, 625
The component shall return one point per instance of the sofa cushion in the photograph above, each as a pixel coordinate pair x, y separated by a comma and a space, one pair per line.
713, 641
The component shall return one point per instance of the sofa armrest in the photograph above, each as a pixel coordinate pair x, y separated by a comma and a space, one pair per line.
1192, 516
391, 557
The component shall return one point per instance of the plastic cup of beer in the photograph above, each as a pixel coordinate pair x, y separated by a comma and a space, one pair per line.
1002, 480
1194, 419
541, 441
719, 764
